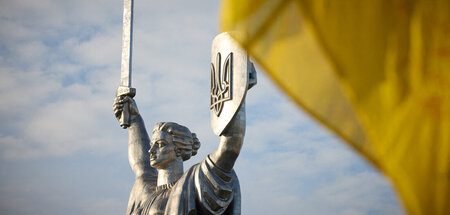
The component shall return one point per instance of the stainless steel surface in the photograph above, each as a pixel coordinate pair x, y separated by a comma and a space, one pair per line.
228, 59
125, 73
127, 43
162, 186
210, 187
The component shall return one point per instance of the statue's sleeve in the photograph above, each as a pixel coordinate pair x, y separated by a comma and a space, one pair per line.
217, 190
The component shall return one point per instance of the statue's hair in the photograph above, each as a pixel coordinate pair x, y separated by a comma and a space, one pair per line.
183, 139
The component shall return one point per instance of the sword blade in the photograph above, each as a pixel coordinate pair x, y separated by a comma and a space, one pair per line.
127, 41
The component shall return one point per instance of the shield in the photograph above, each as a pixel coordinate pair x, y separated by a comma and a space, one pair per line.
229, 80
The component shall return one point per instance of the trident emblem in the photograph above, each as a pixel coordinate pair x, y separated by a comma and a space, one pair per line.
221, 83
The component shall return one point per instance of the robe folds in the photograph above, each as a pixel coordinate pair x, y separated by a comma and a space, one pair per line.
203, 189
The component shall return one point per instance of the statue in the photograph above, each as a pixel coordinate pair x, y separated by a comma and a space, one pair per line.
210, 187
161, 185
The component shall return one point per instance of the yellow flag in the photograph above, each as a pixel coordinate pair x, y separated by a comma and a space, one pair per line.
376, 72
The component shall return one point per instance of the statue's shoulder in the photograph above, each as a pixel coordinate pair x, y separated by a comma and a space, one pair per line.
207, 185
206, 170
189, 175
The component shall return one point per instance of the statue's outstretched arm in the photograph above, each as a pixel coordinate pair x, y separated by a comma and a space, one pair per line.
230, 141
138, 139
138, 146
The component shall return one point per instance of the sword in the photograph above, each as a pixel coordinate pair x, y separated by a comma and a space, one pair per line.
125, 88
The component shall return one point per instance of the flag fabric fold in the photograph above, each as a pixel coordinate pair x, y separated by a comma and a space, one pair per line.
377, 73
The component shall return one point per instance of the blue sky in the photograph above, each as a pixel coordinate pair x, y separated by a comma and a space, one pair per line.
63, 152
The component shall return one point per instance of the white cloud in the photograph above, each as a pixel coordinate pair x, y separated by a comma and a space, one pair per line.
102, 49
13, 147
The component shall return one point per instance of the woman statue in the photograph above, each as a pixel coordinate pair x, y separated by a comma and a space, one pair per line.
162, 187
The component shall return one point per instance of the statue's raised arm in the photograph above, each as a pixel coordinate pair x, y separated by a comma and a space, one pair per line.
230, 142
138, 156
138, 139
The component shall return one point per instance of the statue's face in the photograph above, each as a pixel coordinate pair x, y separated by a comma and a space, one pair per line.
162, 150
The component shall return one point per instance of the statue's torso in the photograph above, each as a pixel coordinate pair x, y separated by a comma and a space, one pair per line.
156, 204
203, 189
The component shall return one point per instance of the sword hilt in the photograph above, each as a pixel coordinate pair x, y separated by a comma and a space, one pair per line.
125, 119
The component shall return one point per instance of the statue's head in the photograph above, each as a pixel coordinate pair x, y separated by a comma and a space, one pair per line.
171, 142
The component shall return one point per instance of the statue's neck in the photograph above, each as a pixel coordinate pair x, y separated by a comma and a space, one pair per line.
170, 174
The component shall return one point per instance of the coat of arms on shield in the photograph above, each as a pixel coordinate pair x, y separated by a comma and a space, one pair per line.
231, 77
221, 86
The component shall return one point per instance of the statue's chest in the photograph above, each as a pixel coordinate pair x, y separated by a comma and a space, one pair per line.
156, 205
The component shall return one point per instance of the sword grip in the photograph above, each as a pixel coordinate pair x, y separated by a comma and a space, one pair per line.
125, 119
125, 116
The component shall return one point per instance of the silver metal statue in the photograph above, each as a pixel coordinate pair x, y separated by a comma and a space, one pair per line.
161, 185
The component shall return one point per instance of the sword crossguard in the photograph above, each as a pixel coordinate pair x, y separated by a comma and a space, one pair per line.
123, 91
126, 91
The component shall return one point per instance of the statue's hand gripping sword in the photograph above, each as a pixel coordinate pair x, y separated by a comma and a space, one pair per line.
125, 88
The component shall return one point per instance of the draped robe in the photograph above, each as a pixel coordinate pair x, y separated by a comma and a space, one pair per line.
203, 189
